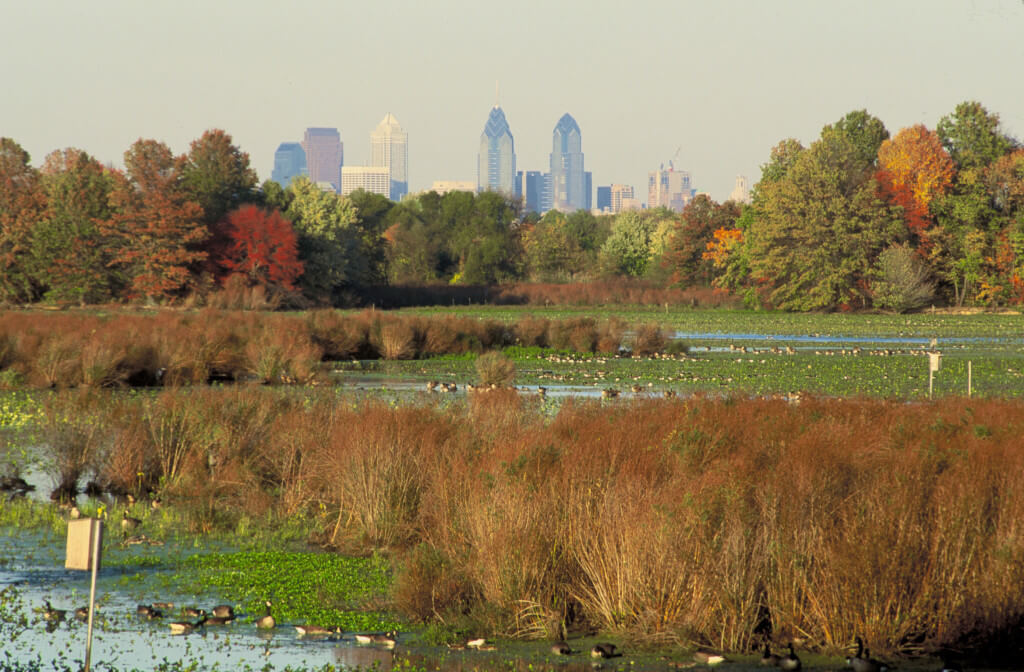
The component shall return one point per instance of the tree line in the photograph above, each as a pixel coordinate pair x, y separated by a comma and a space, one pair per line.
856, 220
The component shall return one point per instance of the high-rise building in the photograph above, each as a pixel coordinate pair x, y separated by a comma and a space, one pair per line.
669, 189
604, 198
289, 163
496, 162
623, 198
375, 179
325, 155
741, 192
588, 190
534, 188
389, 147
568, 182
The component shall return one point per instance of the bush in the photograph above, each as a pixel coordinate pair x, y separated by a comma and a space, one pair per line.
903, 283
494, 368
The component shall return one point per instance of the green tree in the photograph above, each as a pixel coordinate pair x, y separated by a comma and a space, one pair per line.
330, 246
972, 136
627, 251
216, 174
374, 218
863, 131
816, 232
70, 256
22, 206
553, 253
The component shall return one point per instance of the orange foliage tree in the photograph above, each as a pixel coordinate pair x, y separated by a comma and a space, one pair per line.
914, 169
723, 242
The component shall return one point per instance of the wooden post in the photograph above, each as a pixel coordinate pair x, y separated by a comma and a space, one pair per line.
968, 379
85, 539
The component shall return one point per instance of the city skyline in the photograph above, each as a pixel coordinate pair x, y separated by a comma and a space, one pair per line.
723, 81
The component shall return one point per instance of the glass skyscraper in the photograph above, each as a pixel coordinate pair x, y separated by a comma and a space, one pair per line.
325, 155
568, 179
289, 163
389, 147
496, 163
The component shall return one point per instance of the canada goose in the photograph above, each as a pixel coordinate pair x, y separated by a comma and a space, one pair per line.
315, 631
708, 657
156, 503
163, 605
542, 391
129, 524
862, 661
386, 639
74, 513
82, 613
219, 620
53, 615
267, 621
609, 393
143, 610
636, 389
185, 627
604, 650
192, 612
561, 649
432, 385
790, 661
770, 659
223, 611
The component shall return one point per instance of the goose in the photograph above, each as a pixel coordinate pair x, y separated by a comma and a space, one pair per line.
143, 610
82, 613
163, 605
192, 612
561, 649
219, 620
609, 393
267, 621
604, 650
790, 661
706, 657
74, 513
154, 614
386, 639
53, 615
770, 659
223, 611
315, 631
862, 661
129, 524
185, 627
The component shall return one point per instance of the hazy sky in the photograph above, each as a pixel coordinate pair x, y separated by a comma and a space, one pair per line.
722, 81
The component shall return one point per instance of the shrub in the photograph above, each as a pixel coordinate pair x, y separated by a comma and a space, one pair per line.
494, 368
903, 282
649, 339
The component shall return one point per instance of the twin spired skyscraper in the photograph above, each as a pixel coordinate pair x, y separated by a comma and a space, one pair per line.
496, 163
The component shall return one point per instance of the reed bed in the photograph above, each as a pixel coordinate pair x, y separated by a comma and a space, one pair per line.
698, 521
66, 349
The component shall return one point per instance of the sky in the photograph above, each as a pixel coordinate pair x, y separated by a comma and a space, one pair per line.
710, 85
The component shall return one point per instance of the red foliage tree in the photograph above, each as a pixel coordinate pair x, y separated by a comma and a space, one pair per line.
262, 246
156, 228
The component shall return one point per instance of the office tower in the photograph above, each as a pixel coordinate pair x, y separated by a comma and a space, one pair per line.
375, 179
741, 192
669, 189
623, 198
496, 162
604, 198
532, 186
325, 155
289, 163
389, 147
568, 182
588, 190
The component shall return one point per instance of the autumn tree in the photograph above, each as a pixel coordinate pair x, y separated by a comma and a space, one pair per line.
692, 234
552, 252
263, 248
70, 256
816, 230
913, 170
216, 174
22, 203
156, 229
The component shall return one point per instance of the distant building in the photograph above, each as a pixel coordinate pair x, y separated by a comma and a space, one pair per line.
442, 187
588, 190
534, 188
375, 179
389, 147
568, 179
289, 163
741, 192
669, 189
325, 155
623, 198
604, 198
496, 162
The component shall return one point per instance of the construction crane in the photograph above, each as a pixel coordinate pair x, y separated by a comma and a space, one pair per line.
671, 162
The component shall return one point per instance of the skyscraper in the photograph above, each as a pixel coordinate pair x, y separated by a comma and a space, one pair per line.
389, 147
496, 162
374, 179
604, 198
741, 192
669, 189
325, 155
533, 187
568, 182
289, 163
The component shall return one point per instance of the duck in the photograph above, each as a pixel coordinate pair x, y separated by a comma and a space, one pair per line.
790, 661
706, 657
315, 631
223, 611
561, 649
768, 658
266, 622
386, 639
185, 627
604, 650
129, 524
53, 615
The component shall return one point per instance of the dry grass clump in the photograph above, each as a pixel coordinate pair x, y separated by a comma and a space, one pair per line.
579, 334
649, 339
495, 369
532, 331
